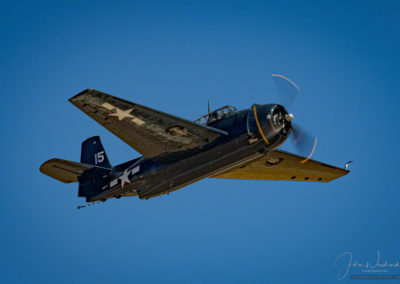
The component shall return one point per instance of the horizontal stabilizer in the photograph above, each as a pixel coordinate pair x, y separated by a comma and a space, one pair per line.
63, 170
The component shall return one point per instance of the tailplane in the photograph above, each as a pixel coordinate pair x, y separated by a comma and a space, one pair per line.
63, 170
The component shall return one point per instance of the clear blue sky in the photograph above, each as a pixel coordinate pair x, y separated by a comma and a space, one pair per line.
174, 56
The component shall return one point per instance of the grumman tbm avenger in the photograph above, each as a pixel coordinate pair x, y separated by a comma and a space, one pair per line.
225, 143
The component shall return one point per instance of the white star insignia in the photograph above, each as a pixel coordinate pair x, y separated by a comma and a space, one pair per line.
122, 114
125, 178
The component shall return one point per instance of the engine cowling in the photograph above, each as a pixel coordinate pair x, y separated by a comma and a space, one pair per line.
270, 122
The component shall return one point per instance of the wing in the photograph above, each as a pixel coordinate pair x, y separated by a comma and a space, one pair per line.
150, 132
281, 165
63, 170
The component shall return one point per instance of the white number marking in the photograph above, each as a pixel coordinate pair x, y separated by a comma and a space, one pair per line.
98, 157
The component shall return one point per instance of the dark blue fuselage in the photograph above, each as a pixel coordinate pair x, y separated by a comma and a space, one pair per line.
251, 133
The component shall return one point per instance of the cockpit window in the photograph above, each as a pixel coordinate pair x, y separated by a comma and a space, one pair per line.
215, 115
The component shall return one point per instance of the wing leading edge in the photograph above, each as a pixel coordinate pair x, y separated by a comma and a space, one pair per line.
150, 132
282, 165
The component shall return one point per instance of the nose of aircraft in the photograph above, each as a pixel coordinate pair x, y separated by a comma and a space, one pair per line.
279, 119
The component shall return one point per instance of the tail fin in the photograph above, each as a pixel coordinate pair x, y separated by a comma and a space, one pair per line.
93, 153
92, 181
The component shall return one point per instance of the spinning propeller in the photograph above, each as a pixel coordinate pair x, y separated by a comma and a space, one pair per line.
303, 141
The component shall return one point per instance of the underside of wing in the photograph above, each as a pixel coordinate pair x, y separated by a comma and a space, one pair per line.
63, 170
148, 131
281, 165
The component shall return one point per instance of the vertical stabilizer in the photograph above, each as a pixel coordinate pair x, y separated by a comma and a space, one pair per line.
93, 153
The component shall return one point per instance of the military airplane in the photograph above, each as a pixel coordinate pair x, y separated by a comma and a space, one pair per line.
225, 143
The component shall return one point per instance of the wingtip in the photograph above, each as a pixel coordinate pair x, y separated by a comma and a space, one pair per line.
80, 94
342, 173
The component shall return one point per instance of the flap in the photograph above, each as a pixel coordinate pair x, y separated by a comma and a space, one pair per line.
63, 170
282, 165
148, 131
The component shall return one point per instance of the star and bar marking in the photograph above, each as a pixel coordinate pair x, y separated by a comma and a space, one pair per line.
121, 114
124, 178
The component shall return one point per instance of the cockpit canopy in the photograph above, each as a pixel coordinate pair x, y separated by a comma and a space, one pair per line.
215, 115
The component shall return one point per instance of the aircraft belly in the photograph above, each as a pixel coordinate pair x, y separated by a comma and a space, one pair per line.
202, 165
